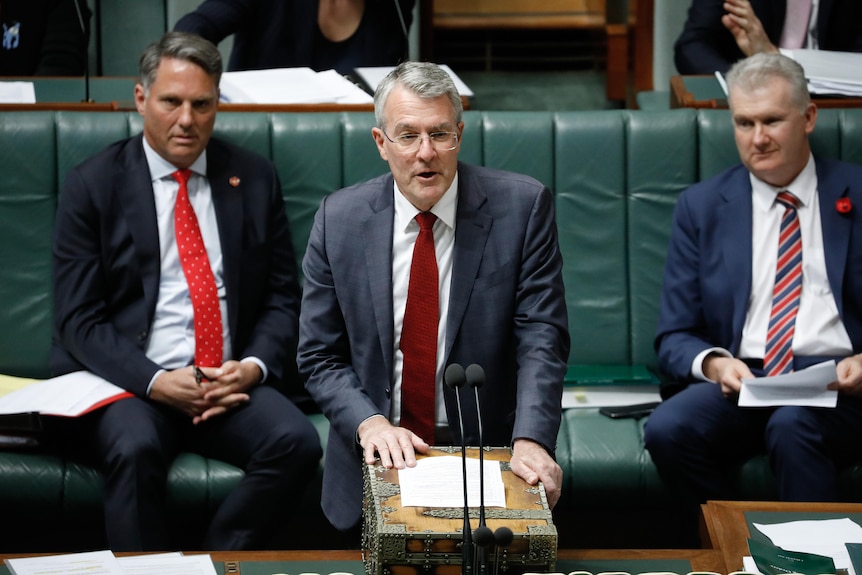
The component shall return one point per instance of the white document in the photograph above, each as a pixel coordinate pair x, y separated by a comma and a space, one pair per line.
290, 86
609, 395
68, 395
438, 482
372, 75
830, 71
806, 387
822, 537
90, 563
17, 93
167, 564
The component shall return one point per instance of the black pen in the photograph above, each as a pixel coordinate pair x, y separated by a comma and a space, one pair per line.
199, 375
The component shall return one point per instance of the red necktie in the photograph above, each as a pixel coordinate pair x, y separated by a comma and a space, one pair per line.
778, 357
795, 30
419, 335
199, 275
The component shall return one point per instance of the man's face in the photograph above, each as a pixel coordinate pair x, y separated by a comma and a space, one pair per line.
423, 175
179, 111
771, 131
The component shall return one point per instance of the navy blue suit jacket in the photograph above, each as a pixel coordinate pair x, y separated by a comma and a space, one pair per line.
507, 313
107, 262
285, 34
706, 46
707, 277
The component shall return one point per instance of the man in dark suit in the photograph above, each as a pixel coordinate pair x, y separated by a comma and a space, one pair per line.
124, 310
733, 248
498, 282
717, 33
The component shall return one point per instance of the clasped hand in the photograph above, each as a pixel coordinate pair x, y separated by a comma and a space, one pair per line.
220, 389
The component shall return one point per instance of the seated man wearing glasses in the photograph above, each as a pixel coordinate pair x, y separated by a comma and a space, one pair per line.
433, 264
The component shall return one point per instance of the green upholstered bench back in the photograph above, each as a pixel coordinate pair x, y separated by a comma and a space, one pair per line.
615, 176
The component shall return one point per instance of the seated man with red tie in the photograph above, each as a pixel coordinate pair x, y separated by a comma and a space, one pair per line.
175, 278
763, 277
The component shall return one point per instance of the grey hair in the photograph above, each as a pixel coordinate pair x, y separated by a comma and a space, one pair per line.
752, 72
424, 79
182, 46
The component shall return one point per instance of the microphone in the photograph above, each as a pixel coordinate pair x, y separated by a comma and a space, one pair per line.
503, 537
482, 537
455, 378
86, 52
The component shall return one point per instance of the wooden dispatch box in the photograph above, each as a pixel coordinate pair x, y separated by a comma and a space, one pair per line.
400, 540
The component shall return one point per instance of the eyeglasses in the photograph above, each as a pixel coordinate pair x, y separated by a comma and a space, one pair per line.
440, 141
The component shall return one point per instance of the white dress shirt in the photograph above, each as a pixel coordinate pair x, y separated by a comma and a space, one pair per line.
405, 232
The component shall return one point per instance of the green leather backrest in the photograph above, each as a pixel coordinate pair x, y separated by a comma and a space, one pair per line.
615, 176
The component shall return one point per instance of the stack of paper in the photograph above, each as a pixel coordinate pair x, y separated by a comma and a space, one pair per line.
830, 72
105, 563
372, 76
290, 86
69, 395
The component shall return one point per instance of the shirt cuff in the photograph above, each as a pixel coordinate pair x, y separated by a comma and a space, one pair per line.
260, 364
697, 364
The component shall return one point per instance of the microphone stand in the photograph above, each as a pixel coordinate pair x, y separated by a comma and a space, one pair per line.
455, 379
482, 537
86, 52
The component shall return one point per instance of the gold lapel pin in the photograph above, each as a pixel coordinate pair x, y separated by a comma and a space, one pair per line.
234, 181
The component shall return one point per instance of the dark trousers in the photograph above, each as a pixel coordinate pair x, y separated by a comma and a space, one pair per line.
136, 441
698, 439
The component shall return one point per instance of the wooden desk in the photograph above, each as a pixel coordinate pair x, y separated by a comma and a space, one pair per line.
699, 559
706, 92
725, 527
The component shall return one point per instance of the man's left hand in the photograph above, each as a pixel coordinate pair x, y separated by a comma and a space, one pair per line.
532, 463
227, 386
849, 375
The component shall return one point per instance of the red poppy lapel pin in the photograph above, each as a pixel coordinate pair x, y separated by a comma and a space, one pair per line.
843, 205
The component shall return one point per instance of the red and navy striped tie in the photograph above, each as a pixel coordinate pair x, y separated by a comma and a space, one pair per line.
778, 357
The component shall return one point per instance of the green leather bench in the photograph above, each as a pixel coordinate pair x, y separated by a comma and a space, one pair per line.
615, 174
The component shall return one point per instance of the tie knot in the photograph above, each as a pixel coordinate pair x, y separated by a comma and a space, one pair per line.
787, 200
425, 220
182, 176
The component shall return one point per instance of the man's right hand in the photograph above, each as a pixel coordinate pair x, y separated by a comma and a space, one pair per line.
179, 389
396, 446
728, 372
746, 28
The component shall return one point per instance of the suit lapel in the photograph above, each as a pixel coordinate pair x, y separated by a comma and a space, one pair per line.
377, 230
227, 202
133, 183
473, 225
734, 229
836, 229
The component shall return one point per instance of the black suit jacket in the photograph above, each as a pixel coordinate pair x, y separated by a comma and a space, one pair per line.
106, 263
706, 46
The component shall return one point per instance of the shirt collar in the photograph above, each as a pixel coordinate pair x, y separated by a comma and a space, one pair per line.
444, 209
803, 187
160, 168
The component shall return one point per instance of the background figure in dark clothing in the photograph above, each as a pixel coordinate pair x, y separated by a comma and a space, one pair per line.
44, 37
320, 34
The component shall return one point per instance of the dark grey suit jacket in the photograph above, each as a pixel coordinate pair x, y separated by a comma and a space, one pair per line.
507, 313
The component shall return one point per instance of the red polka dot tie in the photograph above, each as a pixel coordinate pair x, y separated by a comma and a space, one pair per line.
419, 335
778, 356
199, 275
